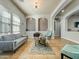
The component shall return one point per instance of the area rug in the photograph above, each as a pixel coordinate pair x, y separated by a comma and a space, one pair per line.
41, 49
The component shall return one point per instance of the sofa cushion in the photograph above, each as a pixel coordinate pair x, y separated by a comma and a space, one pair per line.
19, 40
13, 36
8, 38
18, 36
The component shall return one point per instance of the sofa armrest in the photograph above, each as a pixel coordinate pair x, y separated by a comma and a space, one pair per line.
6, 45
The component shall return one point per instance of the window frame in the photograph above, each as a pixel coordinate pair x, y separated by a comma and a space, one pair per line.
9, 23
17, 25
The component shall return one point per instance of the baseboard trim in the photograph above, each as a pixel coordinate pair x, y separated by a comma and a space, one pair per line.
71, 40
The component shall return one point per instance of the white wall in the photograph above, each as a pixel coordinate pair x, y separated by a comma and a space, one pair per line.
13, 9
72, 36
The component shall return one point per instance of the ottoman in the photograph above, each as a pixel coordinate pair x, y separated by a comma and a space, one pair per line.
70, 51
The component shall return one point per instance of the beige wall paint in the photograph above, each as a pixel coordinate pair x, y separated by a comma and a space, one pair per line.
13, 9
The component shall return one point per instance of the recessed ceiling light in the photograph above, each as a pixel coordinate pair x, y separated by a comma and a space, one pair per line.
62, 10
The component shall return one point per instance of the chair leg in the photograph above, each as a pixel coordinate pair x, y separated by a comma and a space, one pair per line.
62, 56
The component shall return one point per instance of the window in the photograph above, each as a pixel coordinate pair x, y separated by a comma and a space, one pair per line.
9, 22
5, 21
16, 24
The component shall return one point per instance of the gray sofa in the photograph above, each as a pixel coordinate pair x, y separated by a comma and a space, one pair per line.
11, 42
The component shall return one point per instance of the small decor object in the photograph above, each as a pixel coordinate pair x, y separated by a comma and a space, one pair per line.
77, 24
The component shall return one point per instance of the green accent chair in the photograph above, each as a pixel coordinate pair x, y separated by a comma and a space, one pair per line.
70, 51
48, 35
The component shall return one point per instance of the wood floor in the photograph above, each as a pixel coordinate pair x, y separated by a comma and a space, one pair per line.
23, 51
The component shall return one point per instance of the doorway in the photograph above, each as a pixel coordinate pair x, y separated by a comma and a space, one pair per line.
57, 28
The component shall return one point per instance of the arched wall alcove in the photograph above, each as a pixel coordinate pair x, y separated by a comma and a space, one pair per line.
37, 24
30, 24
42, 24
71, 20
66, 33
73, 23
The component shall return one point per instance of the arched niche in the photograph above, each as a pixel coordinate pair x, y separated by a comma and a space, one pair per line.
42, 24
73, 23
30, 24
72, 20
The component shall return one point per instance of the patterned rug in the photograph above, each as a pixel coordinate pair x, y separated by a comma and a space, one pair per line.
41, 49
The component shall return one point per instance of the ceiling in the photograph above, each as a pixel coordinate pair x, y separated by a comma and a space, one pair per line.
45, 6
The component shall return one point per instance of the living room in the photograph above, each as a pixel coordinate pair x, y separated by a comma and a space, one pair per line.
39, 29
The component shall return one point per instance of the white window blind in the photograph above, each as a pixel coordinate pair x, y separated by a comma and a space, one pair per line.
5, 19
16, 24
9, 22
